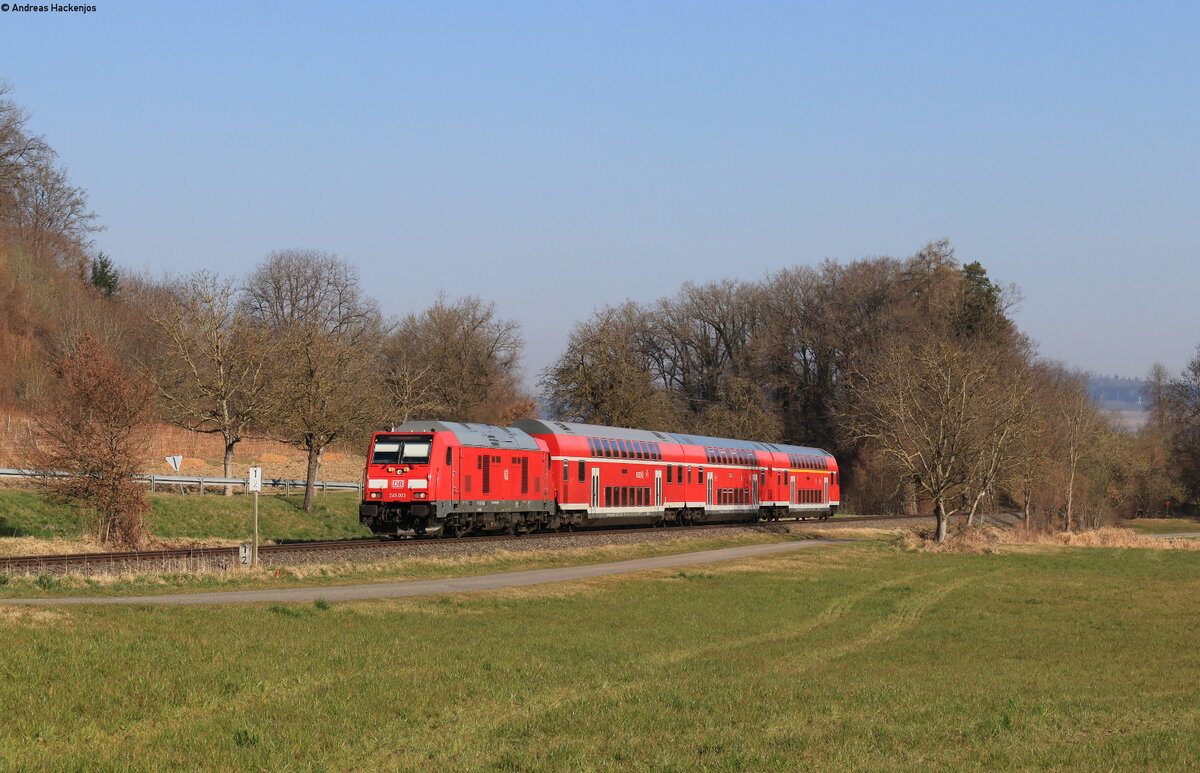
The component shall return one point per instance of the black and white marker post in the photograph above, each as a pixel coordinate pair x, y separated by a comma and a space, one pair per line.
254, 484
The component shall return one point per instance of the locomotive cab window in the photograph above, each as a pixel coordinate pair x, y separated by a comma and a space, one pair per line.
402, 449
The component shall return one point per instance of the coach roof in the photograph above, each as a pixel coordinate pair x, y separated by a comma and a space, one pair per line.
539, 427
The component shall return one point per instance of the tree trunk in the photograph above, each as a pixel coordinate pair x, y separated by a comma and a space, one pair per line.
314, 463
1070, 492
229, 444
940, 511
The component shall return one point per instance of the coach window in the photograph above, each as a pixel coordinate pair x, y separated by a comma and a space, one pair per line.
582, 472
566, 471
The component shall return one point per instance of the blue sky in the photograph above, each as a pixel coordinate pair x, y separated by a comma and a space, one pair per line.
557, 157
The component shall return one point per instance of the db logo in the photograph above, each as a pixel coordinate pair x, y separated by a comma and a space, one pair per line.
397, 484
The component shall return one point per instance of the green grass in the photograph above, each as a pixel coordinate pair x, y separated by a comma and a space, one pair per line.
26, 514
849, 657
335, 515
1162, 525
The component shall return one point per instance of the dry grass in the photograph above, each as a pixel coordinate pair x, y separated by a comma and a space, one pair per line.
184, 574
987, 540
30, 617
38, 546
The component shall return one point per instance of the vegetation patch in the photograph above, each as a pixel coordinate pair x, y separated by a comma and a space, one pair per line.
1162, 525
391, 569
990, 539
848, 657
29, 525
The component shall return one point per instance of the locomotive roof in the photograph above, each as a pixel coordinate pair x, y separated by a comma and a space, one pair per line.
475, 435
540, 427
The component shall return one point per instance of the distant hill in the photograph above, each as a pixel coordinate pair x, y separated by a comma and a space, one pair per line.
1124, 398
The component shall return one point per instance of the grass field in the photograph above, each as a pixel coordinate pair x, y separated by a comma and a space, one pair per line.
24, 513
1162, 525
859, 656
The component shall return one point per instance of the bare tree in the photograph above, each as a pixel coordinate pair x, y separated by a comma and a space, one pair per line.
928, 406
1004, 429
605, 377
1181, 407
18, 148
211, 365
467, 357
90, 441
327, 380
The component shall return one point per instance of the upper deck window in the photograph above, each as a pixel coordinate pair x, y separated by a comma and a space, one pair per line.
402, 449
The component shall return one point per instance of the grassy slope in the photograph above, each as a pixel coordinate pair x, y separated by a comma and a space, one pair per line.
25, 514
846, 657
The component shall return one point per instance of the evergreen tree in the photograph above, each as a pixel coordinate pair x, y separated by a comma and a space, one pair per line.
104, 275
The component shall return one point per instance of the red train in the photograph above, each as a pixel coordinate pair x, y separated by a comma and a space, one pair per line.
438, 477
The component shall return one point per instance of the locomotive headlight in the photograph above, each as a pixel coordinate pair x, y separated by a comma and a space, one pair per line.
419, 495
391, 470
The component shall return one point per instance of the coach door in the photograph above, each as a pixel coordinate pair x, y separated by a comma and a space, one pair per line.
710, 488
791, 489
825, 493
754, 488
658, 500
595, 486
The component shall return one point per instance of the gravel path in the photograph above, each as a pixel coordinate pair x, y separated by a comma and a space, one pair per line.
447, 585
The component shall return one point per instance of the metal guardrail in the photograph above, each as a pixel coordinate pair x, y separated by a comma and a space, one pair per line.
203, 480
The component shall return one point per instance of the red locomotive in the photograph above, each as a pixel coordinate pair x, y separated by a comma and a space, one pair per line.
438, 477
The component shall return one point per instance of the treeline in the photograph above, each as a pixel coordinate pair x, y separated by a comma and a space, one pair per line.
911, 370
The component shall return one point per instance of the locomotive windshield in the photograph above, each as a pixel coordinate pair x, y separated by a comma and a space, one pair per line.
402, 449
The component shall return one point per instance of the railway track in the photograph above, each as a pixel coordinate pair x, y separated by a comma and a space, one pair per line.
144, 560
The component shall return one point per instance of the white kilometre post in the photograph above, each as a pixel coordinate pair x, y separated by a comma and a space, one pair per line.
254, 484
